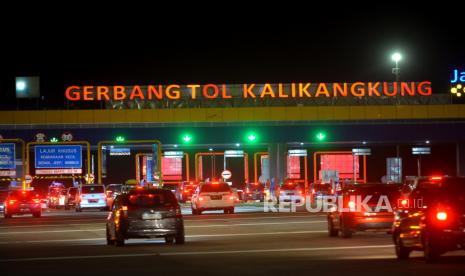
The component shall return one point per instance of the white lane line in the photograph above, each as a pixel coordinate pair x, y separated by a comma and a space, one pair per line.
255, 224
188, 226
187, 236
189, 220
197, 253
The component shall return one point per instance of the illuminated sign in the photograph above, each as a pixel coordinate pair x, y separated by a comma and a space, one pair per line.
233, 153
7, 156
361, 151
120, 151
420, 151
247, 91
297, 152
173, 154
458, 76
58, 157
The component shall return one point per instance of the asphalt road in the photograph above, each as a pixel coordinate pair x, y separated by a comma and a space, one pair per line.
68, 243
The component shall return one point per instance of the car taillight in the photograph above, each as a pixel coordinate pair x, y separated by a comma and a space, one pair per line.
36, 200
332, 191
124, 208
313, 191
200, 198
231, 197
404, 202
186, 191
351, 205
441, 216
300, 192
12, 201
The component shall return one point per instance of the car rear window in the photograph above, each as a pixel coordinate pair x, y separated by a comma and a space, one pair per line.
22, 194
92, 189
158, 199
215, 188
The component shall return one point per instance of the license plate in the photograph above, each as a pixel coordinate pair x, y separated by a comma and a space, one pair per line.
93, 200
151, 216
25, 210
216, 197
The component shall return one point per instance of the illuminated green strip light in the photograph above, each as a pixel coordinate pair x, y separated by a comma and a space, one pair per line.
120, 139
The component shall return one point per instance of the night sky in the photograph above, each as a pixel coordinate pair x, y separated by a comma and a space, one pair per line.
163, 46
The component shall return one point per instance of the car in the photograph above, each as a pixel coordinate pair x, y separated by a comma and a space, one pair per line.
212, 196
321, 190
185, 191
432, 218
3, 196
172, 186
70, 198
350, 215
112, 191
254, 191
291, 192
145, 213
21, 202
91, 196
56, 195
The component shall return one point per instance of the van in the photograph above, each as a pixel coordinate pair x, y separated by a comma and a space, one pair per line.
91, 196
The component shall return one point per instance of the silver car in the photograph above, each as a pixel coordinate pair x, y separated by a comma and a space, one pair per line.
145, 213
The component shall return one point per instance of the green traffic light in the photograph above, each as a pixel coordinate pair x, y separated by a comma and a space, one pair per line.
320, 136
120, 139
187, 138
252, 137
54, 140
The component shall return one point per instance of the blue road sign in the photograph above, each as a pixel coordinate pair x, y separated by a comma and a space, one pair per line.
58, 157
7, 156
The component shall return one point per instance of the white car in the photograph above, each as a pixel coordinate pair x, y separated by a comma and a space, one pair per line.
213, 196
91, 196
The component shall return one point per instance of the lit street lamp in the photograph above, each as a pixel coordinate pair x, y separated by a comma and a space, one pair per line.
396, 57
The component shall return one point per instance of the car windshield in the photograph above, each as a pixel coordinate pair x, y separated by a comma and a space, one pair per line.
22, 194
215, 188
376, 191
92, 189
114, 188
151, 199
451, 187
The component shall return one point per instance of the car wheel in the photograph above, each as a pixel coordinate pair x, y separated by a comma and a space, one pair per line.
430, 249
119, 242
345, 232
169, 239
180, 238
402, 252
109, 240
331, 231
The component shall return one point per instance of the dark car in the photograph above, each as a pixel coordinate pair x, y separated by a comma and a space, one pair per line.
320, 190
254, 191
433, 219
3, 196
351, 215
185, 191
145, 214
21, 202
70, 198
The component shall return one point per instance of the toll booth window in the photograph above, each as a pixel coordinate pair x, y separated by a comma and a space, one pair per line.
92, 190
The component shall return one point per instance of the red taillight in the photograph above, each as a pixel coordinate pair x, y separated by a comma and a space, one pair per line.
332, 191
12, 201
404, 202
124, 208
186, 191
313, 191
200, 198
436, 178
300, 192
351, 205
231, 197
36, 200
441, 216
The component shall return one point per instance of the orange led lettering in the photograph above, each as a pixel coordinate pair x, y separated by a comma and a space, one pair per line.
215, 91
175, 94
281, 92
322, 89
357, 89
157, 92
267, 90
193, 88
372, 89
224, 92
303, 90
88, 93
424, 88
247, 90
102, 91
72, 93
405, 87
341, 90
119, 93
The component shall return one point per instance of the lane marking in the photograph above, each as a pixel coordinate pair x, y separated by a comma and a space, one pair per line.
189, 220
187, 236
199, 253
187, 226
